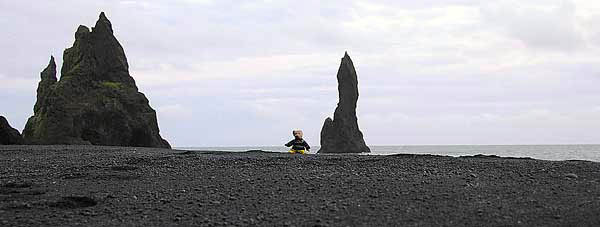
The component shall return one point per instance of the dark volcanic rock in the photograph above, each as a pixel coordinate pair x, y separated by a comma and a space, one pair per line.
342, 135
96, 101
9, 135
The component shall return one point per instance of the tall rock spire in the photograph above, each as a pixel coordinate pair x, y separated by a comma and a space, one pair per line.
341, 134
97, 54
95, 101
49, 73
48, 79
103, 24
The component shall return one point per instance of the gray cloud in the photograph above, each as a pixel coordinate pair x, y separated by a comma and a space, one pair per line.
538, 26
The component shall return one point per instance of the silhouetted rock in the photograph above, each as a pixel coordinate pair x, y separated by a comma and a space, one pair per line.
341, 134
48, 78
95, 101
9, 135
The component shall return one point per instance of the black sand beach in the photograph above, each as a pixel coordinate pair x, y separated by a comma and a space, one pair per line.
100, 186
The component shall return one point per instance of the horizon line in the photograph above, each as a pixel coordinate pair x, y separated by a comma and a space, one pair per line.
549, 144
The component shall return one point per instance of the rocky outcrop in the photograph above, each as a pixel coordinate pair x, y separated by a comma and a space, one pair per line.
95, 101
341, 134
9, 135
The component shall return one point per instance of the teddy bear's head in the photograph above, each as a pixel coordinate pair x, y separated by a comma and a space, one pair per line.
297, 134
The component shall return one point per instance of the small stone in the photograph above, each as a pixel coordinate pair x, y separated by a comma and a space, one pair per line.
571, 176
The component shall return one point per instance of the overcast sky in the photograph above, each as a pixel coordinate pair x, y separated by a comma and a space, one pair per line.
232, 72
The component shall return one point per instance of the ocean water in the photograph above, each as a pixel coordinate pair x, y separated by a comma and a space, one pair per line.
545, 152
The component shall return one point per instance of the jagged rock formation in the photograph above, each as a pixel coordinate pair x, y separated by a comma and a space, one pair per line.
341, 134
9, 135
95, 101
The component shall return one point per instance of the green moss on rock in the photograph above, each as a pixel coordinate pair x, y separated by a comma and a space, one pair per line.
112, 85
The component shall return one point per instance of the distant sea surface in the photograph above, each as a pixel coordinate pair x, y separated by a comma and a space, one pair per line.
545, 152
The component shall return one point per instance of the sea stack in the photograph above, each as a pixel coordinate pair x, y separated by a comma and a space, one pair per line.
9, 135
341, 134
96, 101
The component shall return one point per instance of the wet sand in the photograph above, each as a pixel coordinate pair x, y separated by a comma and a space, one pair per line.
108, 186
